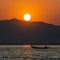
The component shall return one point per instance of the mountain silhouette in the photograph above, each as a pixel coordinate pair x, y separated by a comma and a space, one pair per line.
19, 32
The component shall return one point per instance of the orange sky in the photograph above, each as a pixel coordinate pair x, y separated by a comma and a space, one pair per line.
40, 10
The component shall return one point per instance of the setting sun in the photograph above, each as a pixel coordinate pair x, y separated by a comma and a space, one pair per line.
27, 17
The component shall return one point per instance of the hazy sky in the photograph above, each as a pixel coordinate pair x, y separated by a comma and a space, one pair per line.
40, 10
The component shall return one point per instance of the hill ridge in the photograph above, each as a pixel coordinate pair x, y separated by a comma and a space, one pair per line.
19, 32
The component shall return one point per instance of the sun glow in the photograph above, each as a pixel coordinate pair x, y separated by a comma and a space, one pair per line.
27, 17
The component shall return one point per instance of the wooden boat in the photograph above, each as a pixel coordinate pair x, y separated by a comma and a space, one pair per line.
35, 47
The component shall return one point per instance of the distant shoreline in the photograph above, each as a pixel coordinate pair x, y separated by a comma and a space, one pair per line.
52, 46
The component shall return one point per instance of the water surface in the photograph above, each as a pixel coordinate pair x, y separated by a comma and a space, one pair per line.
26, 52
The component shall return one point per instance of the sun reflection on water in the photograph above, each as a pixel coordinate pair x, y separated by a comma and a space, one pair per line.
27, 46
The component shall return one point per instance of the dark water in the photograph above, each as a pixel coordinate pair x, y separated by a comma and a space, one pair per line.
20, 52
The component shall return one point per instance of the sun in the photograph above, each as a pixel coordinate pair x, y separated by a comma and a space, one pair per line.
27, 17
